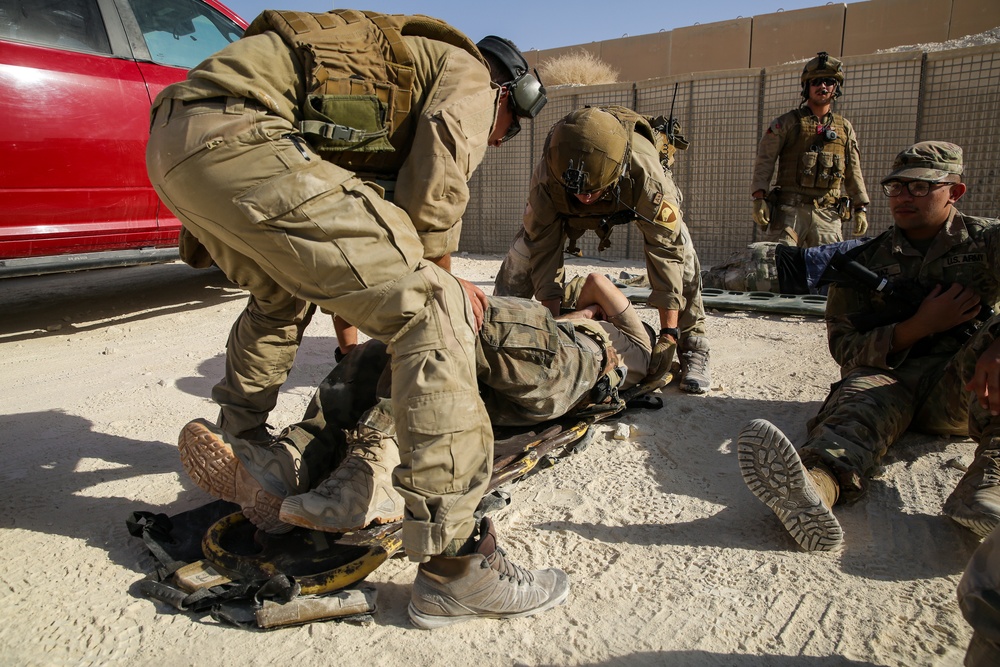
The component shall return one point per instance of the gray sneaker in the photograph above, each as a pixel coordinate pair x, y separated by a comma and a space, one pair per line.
207, 455
773, 472
975, 502
696, 376
484, 584
358, 493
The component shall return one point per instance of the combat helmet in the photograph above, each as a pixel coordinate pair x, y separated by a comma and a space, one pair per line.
822, 66
588, 150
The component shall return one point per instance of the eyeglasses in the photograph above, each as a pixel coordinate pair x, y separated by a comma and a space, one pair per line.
829, 81
915, 188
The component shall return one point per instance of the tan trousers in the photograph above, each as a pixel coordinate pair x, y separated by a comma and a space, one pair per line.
294, 228
804, 225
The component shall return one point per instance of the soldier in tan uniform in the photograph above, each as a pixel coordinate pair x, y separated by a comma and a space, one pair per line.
819, 183
531, 368
910, 359
600, 167
270, 153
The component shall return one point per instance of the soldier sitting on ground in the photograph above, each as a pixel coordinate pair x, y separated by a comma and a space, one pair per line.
921, 368
531, 368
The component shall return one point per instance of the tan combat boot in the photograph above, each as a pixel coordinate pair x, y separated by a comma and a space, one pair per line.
255, 477
358, 493
484, 584
802, 499
975, 502
696, 376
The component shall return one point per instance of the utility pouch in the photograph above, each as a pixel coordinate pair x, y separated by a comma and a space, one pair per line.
807, 173
336, 123
824, 170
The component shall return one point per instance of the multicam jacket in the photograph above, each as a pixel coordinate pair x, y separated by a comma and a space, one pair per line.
966, 251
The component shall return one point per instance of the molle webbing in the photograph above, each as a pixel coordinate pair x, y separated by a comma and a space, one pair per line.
360, 73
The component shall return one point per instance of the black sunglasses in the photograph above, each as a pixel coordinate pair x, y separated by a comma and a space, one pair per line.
824, 82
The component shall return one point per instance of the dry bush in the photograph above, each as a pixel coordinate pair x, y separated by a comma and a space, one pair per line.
579, 67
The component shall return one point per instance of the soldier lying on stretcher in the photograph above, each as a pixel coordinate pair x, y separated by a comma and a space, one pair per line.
334, 470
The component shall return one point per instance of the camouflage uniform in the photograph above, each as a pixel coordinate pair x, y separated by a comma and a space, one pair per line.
530, 367
756, 268
453, 108
806, 213
884, 393
979, 600
534, 264
225, 155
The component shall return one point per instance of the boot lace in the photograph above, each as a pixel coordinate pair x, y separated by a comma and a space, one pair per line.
506, 568
991, 469
696, 362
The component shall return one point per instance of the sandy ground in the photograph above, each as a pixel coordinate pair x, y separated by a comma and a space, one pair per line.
671, 558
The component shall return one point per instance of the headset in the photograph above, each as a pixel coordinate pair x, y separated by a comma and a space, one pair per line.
526, 90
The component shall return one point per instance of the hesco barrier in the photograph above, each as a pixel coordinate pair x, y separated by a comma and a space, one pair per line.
893, 100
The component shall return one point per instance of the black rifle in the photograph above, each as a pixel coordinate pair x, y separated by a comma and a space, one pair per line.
901, 302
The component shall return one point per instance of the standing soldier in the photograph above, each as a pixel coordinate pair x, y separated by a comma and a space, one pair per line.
819, 182
601, 167
269, 153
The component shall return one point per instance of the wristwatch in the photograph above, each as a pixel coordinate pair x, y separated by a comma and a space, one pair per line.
671, 331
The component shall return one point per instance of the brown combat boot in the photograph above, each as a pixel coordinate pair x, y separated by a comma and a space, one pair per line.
207, 455
975, 502
802, 499
484, 584
358, 493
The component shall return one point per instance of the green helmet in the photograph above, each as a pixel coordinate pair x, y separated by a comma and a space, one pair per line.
822, 66
587, 150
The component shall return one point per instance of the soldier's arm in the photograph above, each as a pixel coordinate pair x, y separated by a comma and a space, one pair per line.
659, 220
449, 143
543, 236
599, 299
854, 182
850, 347
768, 151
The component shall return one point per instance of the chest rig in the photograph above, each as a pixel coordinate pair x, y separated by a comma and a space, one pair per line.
359, 99
815, 156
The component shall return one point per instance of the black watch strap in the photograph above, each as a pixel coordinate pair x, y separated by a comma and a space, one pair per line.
671, 331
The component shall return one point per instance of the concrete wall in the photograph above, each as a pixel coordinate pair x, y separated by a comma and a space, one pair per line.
784, 36
771, 39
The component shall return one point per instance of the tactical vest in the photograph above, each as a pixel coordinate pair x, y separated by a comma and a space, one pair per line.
602, 216
810, 165
359, 101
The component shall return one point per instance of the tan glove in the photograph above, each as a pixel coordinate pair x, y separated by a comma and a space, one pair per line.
761, 213
660, 361
860, 222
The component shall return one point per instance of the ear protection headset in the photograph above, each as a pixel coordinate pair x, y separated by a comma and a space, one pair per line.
526, 91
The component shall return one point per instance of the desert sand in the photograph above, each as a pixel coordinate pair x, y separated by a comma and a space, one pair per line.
672, 560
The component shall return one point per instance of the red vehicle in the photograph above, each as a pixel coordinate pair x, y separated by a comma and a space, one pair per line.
77, 78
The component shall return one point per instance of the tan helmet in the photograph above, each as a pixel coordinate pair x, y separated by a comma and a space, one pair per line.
587, 150
823, 65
